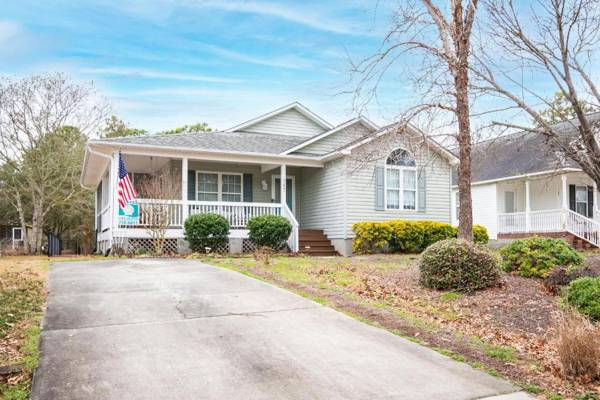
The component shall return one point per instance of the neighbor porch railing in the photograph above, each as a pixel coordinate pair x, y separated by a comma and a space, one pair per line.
559, 220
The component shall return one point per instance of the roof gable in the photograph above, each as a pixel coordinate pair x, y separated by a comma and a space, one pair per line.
291, 120
334, 138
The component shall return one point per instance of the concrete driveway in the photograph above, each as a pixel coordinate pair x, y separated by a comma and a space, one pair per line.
178, 329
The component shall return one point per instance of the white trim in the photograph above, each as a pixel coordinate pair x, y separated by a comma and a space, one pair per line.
293, 178
338, 128
533, 174
295, 105
220, 185
400, 189
400, 169
17, 228
198, 155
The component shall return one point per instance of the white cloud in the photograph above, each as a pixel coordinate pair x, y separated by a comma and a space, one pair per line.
148, 73
302, 16
290, 62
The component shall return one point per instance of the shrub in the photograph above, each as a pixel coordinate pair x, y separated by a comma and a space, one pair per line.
406, 236
579, 347
480, 234
458, 265
584, 295
536, 256
269, 230
371, 236
562, 276
206, 230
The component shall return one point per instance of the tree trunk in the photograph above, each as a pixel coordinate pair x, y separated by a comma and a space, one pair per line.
26, 238
37, 227
465, 213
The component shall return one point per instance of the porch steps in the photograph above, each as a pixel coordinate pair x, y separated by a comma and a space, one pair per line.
314, 242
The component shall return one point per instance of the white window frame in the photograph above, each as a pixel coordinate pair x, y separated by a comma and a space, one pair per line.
220, 185
401, 188
587, 197
13, 234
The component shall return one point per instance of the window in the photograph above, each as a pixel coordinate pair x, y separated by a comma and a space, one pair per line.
401, 181
581, 200
17, 234
457, 204
218, 186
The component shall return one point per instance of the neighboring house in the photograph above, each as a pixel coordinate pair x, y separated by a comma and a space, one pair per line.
334, 177
522, 188
11, 238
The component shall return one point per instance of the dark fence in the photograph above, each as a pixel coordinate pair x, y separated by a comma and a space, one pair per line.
54, 245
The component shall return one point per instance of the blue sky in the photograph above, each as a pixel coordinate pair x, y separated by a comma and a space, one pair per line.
167, 63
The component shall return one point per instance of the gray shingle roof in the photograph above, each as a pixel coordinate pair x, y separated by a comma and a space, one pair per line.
226, 141
519, 153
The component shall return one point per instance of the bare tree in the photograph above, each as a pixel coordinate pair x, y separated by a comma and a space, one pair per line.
34, 113
440, 38
163, 186
555, 42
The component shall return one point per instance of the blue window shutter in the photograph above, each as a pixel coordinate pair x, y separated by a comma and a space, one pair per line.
247, 188
191, 184
422, 190
379, 188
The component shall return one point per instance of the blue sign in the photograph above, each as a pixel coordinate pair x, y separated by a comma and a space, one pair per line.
130, 215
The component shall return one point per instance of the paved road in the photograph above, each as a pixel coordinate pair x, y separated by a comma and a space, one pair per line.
178, 329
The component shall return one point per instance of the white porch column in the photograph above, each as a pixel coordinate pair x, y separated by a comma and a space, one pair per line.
527, 207
565, 192
114, 198
595, 198
184, 186
565, 199
283, 186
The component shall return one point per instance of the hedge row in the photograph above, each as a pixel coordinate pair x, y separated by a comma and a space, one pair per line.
406, 236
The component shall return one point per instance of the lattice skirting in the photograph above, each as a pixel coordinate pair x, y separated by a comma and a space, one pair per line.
142, 246
248, 246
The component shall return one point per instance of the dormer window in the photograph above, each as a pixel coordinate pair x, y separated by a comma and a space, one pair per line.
400, 181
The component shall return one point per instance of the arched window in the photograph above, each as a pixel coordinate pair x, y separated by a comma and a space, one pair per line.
401, 158
400, 181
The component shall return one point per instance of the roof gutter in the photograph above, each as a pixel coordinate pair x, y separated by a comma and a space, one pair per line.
88, 150
531, 175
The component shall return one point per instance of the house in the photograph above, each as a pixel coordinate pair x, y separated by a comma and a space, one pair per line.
522, 188
333, 176
11, 238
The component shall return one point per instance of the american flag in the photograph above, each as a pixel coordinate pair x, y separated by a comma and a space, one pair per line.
126, 190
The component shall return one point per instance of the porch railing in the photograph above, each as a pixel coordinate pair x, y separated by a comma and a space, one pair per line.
559, 220
294, 239
237, 214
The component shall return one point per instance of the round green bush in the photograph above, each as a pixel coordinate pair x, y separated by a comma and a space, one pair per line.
204, 231
458, 265
536, 256
269, 230
480, 234
584, 295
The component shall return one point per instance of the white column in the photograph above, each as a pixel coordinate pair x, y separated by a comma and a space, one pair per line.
283, 186
527, 207
565, 199
595, 199
565, 192
184, 186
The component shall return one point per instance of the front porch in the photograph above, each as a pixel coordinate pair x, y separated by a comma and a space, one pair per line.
551, 205
237, 191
